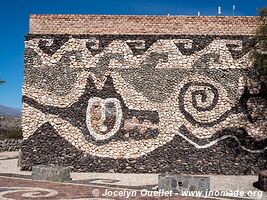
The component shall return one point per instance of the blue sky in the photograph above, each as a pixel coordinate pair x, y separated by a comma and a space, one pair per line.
14, 17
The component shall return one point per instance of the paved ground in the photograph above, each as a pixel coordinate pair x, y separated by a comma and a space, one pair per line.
9, 155
9, 163
84, 183
16, 188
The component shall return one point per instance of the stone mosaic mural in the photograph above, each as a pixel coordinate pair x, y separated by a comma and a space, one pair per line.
143, 103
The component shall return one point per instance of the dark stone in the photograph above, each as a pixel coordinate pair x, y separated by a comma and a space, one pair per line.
76, 113
219, 159
9, 145
177, 156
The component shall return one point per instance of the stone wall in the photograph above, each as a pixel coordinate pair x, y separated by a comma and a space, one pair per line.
146, 101
9, 145
139, 25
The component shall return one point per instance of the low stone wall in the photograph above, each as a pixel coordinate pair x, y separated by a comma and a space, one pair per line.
9, 145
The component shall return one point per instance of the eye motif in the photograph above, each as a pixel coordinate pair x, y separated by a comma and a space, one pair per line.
103, 117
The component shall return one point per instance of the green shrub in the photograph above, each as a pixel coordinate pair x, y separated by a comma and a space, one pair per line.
259, 54
10, 134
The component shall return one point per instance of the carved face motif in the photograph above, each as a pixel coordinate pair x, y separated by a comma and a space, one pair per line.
103, 117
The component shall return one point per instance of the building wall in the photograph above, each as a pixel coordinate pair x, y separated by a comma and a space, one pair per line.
143, 94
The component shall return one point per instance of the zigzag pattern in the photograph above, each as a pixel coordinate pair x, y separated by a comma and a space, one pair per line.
182, 53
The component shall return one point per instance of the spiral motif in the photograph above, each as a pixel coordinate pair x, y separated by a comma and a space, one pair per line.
202, 102
26, 192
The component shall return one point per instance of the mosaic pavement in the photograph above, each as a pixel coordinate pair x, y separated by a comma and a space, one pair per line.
22, 189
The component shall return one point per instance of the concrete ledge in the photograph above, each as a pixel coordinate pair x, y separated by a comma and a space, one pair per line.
179, 183
51, 173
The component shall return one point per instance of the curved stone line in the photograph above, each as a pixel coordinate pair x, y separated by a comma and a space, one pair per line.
203, 95
29, 192
164, 80
223, 137
79, 107
93, 150
122, 149
62, 113
179, 148
204, 98
205, 134
219, 139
